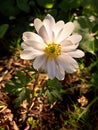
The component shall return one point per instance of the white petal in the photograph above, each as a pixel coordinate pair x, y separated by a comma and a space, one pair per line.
44, 66
68, 28
55, 70
68, 63
49, 23
39, 62
66, 32
76, 54
65, 43
75, 38
37, 24
32, 36
51, 68
69, 48
23, 45
28, 54
60, 73
48, 28
50, 19
57, 27
43, 33
34, 44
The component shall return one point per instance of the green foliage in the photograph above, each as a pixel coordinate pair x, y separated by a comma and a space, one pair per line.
3, 29
8, 8
53, 90
85, 27
17, 87
66, 5
94, 81
16, 16
14, 45
33, 123
23, 5
90, 7
73, 116
2, 128
46, 4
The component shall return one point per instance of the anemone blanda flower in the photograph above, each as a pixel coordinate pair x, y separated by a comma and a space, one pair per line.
53, 48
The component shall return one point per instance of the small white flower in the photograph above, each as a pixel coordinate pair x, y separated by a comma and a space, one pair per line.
53, 48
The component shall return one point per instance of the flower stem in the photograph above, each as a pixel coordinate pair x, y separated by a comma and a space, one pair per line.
36, 82
34, 85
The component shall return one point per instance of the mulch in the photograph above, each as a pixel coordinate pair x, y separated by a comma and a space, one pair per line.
44, 116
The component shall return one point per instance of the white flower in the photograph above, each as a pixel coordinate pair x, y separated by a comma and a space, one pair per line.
53, 48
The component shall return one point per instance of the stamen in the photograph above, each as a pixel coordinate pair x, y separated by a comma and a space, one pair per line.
53, 50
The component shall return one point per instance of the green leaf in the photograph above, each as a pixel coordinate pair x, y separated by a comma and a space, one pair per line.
32, 122
52, 89
46, 3
85, 22
13, 87
65, 5
53, 95
23, 95
54, 84
17, 87
96, 44
23, 5
22, 77
90, 7
87, 43
57, 94
8, 8
94, 80
50, 97
83, 27
3, 29
95, 28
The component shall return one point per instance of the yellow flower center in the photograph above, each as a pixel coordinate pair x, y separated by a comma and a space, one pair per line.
53, 50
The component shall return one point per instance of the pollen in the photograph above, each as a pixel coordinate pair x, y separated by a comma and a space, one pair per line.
53, 50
